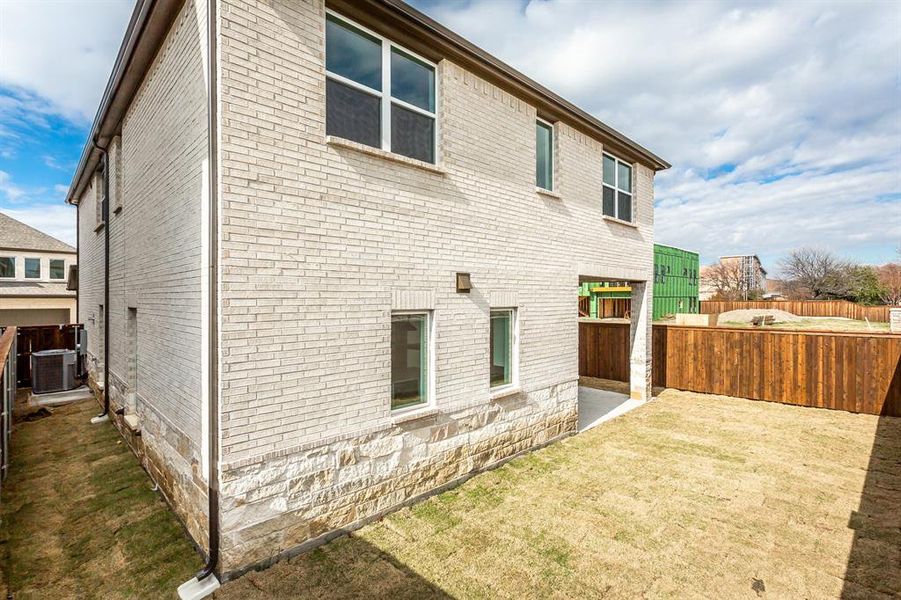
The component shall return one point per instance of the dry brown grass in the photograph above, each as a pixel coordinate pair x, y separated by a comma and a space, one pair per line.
690, 496
818, 324
79, 519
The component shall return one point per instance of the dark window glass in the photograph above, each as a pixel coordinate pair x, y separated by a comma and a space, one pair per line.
609, 171
57, 268
409, 360
625, 207
7, 266
609, 202
32, 268
353, 54
501, 347
544, 154
352, 114
412, 81
412, 134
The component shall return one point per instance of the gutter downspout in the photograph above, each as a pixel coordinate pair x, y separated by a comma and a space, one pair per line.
104, 416
206, 581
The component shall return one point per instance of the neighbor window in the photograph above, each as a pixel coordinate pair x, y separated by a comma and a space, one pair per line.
377, 93
32, 268
617, 199
409, 359
544, 155
57, 268
502, 347
7, 266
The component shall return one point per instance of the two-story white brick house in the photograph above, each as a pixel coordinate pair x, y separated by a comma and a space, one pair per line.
329, 262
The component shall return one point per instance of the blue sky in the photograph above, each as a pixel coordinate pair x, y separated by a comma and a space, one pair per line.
782, 119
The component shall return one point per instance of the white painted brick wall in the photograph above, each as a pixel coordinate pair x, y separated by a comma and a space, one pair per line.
317, 239
155, 240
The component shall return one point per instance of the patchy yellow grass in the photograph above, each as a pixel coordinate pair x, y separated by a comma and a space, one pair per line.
690, 496
79, 518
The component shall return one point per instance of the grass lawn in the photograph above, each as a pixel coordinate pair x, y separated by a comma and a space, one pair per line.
79, 518
689, 496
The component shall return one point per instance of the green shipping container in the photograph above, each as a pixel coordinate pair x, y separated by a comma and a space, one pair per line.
675, 286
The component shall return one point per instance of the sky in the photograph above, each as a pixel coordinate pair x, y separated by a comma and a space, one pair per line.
782, 120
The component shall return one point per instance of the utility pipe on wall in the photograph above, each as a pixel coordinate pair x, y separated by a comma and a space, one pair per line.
104, 416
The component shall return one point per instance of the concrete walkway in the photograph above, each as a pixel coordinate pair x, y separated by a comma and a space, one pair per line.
597, 406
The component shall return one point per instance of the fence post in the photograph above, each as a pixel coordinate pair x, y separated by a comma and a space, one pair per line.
640, 341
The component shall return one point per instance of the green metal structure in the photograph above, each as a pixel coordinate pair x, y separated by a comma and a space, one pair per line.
675, 287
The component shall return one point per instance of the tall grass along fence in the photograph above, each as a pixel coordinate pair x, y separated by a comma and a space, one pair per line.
804, 308
856, 372
8, 385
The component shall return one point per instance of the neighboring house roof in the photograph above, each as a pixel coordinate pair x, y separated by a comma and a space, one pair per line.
16, 235
44, 289
151, 20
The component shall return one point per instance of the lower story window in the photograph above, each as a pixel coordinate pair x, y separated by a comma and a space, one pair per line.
409, 359
502, 346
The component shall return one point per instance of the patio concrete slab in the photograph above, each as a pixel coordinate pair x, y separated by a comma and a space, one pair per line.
597, 406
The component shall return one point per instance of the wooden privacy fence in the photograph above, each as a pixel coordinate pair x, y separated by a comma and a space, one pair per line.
804, 308
35, 338
7, 393
856, 372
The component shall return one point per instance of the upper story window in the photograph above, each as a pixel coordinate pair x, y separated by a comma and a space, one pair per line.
32, 268
617, 201
378, 93
544, 155
57, 268
7, 267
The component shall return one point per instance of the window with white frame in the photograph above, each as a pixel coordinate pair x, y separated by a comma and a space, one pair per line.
503, 347
410, 359
7, 267
617, 200
57, 268
32, 268
378, 93
544, 155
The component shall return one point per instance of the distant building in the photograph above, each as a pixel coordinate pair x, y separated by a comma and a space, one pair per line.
747, 274
34, 268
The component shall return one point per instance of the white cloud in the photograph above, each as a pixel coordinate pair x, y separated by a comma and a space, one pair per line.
12, 192
782, 120
61, 51
57, 220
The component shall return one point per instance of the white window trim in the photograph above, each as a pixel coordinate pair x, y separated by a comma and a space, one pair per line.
514, 352
429, 404
553, 129
384, 96
50, 270
616, 189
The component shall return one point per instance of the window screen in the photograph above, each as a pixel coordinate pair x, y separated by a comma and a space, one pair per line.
352, 114
412, 134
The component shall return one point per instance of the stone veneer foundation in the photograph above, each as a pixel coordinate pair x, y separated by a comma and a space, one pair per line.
166, 454
290, 501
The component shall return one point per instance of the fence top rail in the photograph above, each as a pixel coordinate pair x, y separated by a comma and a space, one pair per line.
6, 343
806, 332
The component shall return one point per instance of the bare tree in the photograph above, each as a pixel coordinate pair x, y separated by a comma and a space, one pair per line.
890, 280
816, 274
727, 280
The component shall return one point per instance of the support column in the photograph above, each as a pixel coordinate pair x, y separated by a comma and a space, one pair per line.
640, 338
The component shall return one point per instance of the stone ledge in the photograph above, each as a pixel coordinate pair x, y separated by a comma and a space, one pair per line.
414, 415
364, 149
548, 193
620, 222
